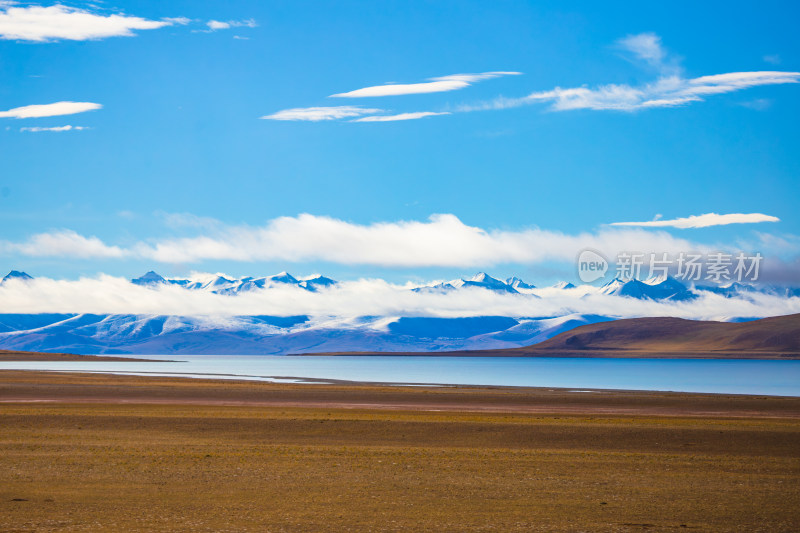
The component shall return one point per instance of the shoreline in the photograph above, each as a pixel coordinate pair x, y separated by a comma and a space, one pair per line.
20, 355
576, 354
306, 381
37, 386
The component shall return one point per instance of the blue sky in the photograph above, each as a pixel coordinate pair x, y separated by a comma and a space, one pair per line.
178, 148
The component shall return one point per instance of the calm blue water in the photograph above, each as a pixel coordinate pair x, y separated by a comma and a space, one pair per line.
686, 375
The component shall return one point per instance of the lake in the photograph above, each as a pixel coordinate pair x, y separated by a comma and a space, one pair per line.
736, 376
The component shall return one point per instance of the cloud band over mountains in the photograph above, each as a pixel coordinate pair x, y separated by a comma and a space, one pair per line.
366, 297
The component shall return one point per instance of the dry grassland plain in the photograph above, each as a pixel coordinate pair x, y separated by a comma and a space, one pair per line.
124, 453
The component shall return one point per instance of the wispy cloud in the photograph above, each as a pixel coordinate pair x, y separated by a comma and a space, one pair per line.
188, 220
670, 89
64, 243
401, 116
443, 240
179, 21
759, 104
665, 92
772, 59
647, 47
54, 128
316, 114
58, 22
50, 110
434, 85
703, 221
214, 25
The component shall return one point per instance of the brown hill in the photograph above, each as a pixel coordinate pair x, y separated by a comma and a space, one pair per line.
779, 336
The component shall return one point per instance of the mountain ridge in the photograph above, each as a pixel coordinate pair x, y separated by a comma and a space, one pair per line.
658, 337
662, 288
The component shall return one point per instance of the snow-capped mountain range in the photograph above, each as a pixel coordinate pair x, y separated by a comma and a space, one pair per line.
266, 334
262, 335
655, 288
221, 285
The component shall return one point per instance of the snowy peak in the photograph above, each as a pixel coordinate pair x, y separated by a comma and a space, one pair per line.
17, 275
657, 288
283, 277
483, 277
668, 288
151, 278
732, 290
612, 287
219, 284
439, 287
219, 281
316, 283
563, 285
632, 288
517, 283
484, 280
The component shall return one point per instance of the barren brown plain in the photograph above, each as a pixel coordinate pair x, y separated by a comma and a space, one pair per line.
88, 452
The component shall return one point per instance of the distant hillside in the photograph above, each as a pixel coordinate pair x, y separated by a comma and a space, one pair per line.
15, 355
661, 337
664, 335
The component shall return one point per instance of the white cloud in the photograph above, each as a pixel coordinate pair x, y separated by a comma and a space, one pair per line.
646, 46
64, 243
773, 59
54, 128
785, 245
734, 81
703, 221
316, 114
214, 25
188, 220
217, 25
180, 21
401, 116
670, 89
52, 23
443, 241
666, 92
758, 104
434, 85
50, 110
